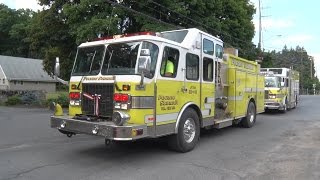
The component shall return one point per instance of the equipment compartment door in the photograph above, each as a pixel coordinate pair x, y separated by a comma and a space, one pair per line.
236, 93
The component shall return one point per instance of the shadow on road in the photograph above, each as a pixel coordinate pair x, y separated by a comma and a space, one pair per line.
146, 148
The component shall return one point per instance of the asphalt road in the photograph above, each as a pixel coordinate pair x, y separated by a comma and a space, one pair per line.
279, 146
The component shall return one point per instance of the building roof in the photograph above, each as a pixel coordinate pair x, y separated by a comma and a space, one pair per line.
24, 69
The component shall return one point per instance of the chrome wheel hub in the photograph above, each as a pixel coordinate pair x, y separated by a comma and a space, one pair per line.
189, 130
251, 116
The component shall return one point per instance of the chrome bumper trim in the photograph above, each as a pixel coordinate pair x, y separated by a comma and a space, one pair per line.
104, 129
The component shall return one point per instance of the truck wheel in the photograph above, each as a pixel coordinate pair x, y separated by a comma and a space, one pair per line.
285, 108
250, 118
295, 103
188, 132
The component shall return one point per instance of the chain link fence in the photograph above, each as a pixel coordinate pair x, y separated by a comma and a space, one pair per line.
309, 92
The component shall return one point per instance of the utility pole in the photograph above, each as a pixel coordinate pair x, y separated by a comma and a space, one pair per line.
311, 67
260, 54
301, 65
301, 69
260, 26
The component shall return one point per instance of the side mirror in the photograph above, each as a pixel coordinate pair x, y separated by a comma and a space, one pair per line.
57, 67
282, 84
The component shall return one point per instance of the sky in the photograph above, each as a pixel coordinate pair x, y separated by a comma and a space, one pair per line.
284, 22
291, 23
18, 4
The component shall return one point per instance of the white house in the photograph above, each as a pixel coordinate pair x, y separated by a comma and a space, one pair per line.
24, 74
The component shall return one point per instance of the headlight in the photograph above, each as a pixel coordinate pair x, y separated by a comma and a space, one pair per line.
272, 96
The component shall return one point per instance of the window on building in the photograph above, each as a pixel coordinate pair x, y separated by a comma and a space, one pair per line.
14, 82
169, 64
207, 69
21, 82
219, 51
192, 65
208, 47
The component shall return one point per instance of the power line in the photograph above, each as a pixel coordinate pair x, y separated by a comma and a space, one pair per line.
140, 13
185, 17
172, 25
152, 9
218, 32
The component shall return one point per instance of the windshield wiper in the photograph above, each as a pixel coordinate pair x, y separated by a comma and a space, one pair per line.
92, 62
78, 86
109, 60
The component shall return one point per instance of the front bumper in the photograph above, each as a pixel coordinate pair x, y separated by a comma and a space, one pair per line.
105, 129
270, 104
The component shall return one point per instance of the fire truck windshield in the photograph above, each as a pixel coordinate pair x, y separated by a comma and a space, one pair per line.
121, 58
113, 59
88, 60
272, 82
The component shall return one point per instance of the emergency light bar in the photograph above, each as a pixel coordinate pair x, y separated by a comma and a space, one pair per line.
126, 35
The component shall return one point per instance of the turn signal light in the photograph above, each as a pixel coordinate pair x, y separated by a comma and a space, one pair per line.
74, 86
126, 87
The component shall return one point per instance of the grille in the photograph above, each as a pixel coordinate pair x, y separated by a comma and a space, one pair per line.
106, 100
266, 94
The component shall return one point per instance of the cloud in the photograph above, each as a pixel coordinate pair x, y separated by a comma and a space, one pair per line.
292, 40
274, 23
31, 4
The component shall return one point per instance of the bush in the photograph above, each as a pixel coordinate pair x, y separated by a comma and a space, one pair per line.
29, 98
63, 100
13, 100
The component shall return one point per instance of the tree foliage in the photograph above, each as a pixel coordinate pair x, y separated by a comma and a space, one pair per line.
14, 25
64, 24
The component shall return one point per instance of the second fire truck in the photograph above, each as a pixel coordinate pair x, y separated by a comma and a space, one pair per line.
281, 88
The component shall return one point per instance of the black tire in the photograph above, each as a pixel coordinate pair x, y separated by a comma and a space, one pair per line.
285, 107
185, 142
295, 103
251, 115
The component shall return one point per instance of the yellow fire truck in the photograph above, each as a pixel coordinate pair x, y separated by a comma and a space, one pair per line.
148, 85
281, 88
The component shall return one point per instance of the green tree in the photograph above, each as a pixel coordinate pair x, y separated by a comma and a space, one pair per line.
64, 24
49, 38
14, 25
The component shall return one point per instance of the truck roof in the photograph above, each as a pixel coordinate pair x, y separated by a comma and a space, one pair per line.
185, 38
